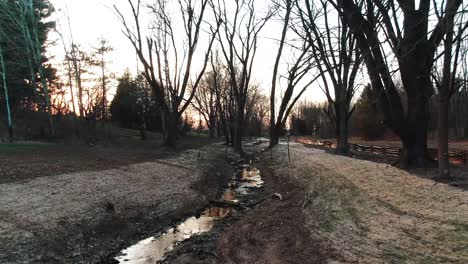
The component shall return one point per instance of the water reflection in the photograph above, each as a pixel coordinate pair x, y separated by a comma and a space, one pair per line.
154, 249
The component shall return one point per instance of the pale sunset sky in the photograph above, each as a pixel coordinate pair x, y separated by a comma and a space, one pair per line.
92, 19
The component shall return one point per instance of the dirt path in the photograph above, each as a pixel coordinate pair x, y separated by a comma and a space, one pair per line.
85, 217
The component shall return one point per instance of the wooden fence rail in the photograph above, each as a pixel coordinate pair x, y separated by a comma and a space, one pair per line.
455, 156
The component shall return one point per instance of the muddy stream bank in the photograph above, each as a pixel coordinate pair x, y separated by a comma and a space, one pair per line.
240, 194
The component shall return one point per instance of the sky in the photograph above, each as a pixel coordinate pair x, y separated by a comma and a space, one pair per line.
93, 19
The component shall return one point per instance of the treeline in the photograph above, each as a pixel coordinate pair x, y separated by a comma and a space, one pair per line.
41, 100
135, 107
27, 78
367, 120
414, 55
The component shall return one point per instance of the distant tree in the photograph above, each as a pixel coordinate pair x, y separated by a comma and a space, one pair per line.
238, 39
99, 59
367, 119
134, 106
205, 101
299, 68
167, 66
310, 119
256, 111
334, 48
124, 106
79, 59
23, 22
69, 68
223, 99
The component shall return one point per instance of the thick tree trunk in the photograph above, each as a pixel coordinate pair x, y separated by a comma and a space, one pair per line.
172, 130
414, 153
225, 130
274, 135
414, 136
218, 129
342, 147
212, 127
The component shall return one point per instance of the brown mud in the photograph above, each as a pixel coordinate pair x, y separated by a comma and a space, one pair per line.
271, 230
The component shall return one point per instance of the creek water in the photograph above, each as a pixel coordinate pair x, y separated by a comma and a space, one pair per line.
154, 249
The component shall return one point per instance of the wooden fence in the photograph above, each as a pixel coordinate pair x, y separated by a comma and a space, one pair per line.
455, 156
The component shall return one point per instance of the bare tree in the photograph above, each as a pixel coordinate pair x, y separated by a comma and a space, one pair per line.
170, 82
256, 109
338, 60
69, 71
79, 60
5, 87
298, 69
404, 28
205, 101
238, 39
224, 98
101, 51
449, 84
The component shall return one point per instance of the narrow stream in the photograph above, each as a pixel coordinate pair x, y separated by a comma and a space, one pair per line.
153, 249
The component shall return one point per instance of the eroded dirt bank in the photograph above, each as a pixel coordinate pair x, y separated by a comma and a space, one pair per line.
85, 217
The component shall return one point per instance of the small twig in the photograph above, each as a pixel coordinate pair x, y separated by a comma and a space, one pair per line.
306, 200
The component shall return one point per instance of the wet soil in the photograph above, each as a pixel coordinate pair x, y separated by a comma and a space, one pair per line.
269, 230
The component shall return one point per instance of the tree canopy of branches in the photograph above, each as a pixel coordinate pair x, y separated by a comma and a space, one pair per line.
205, 101
455, 27
238, 38
338, 60
298, 69
402, 27
170, 81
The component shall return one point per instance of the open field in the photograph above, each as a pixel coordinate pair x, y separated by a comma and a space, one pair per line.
26, 160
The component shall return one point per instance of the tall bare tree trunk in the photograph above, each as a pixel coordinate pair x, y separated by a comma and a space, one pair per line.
239, 130
443, 125
7, 98
444, 97
104, 90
